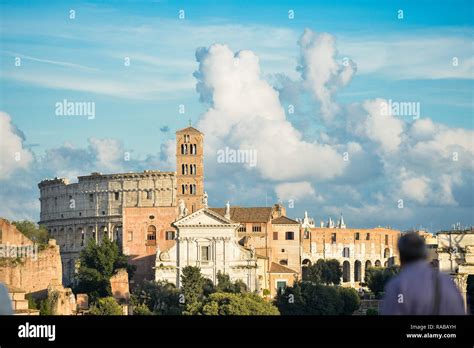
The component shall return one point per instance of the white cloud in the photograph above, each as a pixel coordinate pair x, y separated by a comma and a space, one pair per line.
320, 70
416, 188
13, 155
245, 113
384, 129
296, 191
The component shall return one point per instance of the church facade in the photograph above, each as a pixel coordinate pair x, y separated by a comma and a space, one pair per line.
207, 240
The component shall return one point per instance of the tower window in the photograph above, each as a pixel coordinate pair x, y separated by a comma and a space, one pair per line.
357, 236
148, 194
170, 235
367, 236
151, 235
333, 238
116, 196
289, 235
184, 149
275, 235
256, 228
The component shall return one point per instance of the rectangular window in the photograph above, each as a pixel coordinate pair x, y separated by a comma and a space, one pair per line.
205, 253
290, 235
345, 252
281, 285
367, 237
256, 228
243, 228
130, 236
275, 235
386, 239
116, 195
91, 197
333, 238
170, 235
148, 194
357, 236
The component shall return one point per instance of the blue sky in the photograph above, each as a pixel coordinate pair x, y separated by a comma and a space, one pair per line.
82, 59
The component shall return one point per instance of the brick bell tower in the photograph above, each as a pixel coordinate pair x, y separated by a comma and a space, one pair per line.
190, 167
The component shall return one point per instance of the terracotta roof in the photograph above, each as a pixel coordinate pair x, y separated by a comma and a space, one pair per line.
188, 130
247, 214
283, 220
277, 268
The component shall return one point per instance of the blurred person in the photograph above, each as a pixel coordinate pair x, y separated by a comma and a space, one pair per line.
419, 288
5, 301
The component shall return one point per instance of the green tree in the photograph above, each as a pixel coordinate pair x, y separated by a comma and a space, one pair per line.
161, 298
308, 298
97, 263
106, 306
324, 272
192, 287
38, 234
141, 309
225, 303
224, 284
377, 277
350, 299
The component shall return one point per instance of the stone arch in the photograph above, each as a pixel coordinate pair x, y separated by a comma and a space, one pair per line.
386, 253
69, 237
378, 263
368, 264
90, 233
102, 233
304, 267
346, 271
357, 271
80, 236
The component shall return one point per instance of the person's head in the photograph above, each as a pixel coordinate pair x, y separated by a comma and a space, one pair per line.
412, 248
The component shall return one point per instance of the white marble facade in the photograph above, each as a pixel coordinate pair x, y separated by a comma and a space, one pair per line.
209, 241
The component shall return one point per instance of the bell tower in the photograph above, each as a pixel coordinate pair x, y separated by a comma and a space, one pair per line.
190, 168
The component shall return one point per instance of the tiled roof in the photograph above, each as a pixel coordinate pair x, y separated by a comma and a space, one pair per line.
248, 214
277, 268
283, 220
188, 130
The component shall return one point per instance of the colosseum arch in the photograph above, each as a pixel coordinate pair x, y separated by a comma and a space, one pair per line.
102, 233
357, 271
346, 271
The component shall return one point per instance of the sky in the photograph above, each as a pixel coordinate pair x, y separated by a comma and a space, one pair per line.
305, 85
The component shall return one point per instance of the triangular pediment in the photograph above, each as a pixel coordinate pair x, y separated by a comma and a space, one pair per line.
204, 217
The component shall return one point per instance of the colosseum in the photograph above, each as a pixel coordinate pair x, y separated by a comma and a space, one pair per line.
134, 209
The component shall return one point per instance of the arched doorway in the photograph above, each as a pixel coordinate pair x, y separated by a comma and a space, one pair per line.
378, 263
386, 253
304, 267
346, 271
368, 264
357, 271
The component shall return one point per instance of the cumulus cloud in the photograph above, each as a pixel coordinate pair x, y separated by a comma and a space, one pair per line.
382, 128
296, 191
13, 154
245, 113
320, 70
416, 188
